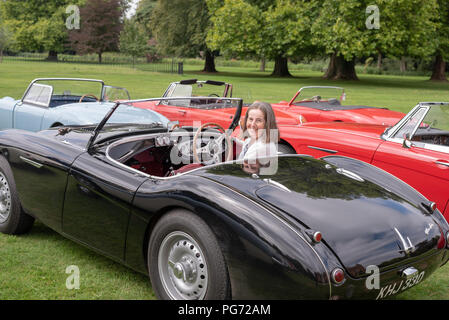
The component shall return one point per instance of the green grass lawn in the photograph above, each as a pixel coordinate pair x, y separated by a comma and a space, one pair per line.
33, 266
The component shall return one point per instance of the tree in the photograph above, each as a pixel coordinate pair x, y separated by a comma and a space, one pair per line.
341, 29
441, 36
101, 24
37, 25
273, 30
5, 40
133, 39
180, 29
143, 15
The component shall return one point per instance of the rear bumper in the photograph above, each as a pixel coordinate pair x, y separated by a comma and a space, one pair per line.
390, 282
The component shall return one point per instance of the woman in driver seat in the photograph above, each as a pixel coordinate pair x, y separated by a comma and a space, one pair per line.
259, 132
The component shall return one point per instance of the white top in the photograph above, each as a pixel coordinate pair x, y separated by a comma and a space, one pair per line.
258, 149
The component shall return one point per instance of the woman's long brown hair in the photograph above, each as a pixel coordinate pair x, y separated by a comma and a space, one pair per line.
270, 121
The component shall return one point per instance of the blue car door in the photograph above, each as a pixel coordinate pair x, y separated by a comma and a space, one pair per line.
29, 112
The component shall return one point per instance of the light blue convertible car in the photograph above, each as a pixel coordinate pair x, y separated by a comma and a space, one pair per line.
52, 102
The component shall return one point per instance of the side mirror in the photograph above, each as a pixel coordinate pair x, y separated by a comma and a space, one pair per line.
407, 143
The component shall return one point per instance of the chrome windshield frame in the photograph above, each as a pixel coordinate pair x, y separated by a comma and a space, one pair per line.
61, 79
315, 87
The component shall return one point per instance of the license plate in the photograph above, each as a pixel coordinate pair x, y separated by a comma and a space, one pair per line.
399, 286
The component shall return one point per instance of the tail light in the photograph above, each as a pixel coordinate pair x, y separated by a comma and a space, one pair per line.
338, 276
314, 235
317, 237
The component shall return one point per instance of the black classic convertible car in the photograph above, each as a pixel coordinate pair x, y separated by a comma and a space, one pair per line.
286, 227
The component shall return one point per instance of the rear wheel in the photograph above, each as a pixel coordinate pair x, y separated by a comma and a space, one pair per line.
285, 149
185, 261
12, 218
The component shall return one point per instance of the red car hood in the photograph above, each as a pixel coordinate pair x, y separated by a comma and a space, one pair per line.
374, 115
366, 130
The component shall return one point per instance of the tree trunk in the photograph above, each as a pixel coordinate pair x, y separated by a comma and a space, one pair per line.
281, 67
340, 69
403, 65
209, 63
1, 55
439, 69
52, 56
262, 64
379, 60
100, 57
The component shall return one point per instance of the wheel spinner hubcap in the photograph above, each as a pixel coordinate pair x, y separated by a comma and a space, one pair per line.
5, 199
182, 267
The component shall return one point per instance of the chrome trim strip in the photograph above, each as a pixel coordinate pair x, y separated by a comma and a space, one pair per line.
31, 162
322, 149
442, 163
408, 248
277, 184
68, 79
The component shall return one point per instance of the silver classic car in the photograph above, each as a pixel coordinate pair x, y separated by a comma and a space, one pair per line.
51, 102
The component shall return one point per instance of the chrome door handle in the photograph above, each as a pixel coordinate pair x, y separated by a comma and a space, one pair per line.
31, 162
322, 149
443, 163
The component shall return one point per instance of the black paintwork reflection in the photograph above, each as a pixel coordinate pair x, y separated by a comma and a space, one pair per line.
98, 203
256, 245
357, 219
41, 190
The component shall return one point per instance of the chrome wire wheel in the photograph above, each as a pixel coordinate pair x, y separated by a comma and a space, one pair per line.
182, 267
5, 199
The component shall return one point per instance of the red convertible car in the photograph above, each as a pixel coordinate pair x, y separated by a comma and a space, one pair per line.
416, 149
324, 103
195, 112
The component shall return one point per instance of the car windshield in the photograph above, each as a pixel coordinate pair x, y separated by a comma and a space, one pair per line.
133, 118
124, 117
74, 88
319, 94
194, 88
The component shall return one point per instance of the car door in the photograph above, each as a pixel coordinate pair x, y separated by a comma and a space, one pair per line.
98, 203
414, 154
29, 112
40, 167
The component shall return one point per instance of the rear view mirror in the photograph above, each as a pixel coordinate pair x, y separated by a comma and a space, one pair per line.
407, 143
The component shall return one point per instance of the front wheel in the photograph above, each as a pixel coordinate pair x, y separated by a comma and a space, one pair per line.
12, 218
185, 261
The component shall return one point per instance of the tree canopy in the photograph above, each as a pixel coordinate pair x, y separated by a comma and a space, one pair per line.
101, 24
256, 28
37, 25
180, 28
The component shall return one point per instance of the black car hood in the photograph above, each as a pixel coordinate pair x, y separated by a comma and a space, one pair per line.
362, 222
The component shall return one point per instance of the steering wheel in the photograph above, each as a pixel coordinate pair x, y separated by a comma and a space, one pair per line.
88, 95
316, 99
214, 95
214, 147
